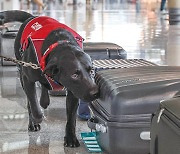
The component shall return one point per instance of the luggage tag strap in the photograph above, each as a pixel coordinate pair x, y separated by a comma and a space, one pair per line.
47, 52
90, 141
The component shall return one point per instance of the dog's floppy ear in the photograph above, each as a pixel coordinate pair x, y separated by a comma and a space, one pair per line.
51, 69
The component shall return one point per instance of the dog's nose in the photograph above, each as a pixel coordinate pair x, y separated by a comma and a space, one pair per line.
95, 92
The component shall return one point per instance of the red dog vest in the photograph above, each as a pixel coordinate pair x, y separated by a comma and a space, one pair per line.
37, 30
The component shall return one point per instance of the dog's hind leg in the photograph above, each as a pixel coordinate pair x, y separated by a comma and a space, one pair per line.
35, 113
70, 139
44, 100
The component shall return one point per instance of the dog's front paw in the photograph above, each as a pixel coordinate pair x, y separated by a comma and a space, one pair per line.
34, 127
44, 104
44, 101
71, 141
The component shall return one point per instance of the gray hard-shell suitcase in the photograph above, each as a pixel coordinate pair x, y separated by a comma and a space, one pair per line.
128, 97
7, 39
104, 50
83, 110
165, 128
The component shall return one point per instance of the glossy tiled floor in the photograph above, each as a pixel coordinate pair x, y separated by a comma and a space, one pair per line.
138, 28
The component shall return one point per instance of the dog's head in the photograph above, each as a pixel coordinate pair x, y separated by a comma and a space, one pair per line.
73, 69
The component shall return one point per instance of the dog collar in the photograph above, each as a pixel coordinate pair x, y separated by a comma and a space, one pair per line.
43, 59
48, 51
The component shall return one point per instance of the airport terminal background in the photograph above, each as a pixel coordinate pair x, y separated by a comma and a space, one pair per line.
136, 25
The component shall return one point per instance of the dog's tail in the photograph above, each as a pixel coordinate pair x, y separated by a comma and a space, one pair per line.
14, 15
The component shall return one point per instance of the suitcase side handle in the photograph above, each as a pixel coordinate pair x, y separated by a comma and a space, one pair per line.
94, 124
119, 53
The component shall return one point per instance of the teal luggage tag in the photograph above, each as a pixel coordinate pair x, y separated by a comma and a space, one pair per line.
90, 141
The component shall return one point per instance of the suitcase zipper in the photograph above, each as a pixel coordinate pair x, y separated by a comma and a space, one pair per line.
159, 116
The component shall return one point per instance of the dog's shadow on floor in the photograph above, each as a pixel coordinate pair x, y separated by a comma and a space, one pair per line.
53, 114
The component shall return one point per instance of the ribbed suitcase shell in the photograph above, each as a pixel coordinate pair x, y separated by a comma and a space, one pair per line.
128, 97
165, 128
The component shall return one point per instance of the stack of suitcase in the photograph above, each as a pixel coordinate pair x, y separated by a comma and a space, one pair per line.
128, 98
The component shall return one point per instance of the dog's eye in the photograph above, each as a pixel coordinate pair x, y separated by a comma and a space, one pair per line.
75, 75
55, 71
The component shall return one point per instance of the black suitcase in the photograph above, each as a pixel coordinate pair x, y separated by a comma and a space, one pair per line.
128, 97
104, 50
165, 128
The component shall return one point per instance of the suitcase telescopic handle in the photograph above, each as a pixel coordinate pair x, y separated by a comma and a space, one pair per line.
94, 124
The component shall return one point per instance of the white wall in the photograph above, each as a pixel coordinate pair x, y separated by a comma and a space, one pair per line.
9, 5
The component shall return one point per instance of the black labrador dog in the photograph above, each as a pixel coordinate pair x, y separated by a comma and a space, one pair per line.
62, 62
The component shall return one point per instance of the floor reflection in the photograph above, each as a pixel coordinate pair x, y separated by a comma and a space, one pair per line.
140, 30
173, 46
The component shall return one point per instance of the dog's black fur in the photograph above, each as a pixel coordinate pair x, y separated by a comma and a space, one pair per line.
67, 64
